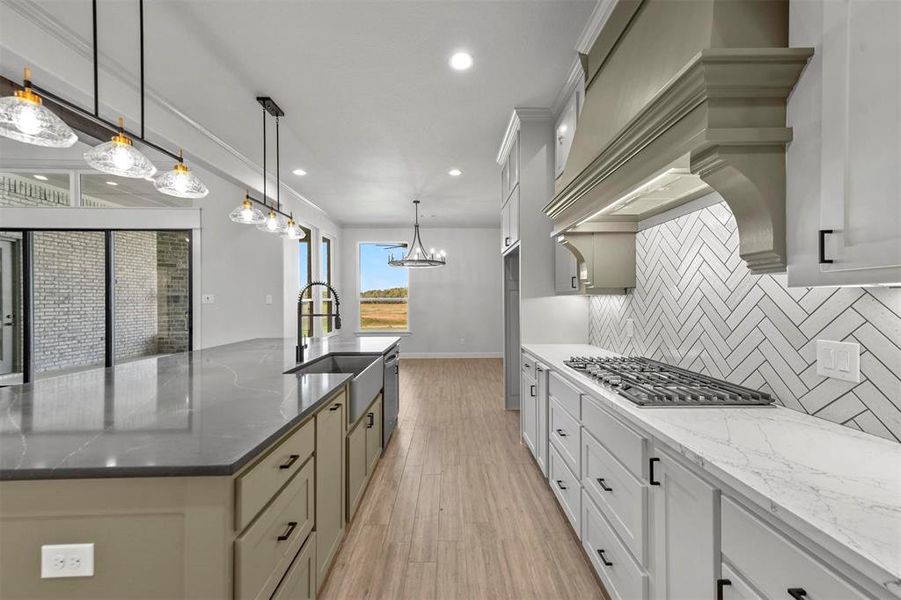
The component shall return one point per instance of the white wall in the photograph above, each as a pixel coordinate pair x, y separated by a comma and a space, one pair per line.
455, 310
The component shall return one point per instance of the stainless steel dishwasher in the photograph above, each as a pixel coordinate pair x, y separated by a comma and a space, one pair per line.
391, 398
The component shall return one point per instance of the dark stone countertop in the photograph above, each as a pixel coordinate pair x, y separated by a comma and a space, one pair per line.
207, 412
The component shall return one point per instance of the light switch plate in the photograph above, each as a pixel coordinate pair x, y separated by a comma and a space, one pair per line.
67, 560
268, 298
840, 360
207, 298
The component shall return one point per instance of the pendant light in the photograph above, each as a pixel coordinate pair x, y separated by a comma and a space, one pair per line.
417, 257
274, 223
24, 118
120, 157
247, 213
180, 182
293, 231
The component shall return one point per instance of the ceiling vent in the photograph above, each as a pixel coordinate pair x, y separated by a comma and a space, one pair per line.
684, 98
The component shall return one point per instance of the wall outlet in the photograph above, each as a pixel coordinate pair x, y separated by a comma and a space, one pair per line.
840, 360
208, 299
630, 328
268, 298
67, 560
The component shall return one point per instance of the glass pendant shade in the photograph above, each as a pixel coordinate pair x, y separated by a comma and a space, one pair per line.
293, 231
181, 183
273, 223
24, 118
247, 214
417, 257
120, 157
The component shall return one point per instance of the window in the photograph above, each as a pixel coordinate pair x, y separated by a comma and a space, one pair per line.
384, 291
325, 272
305, 246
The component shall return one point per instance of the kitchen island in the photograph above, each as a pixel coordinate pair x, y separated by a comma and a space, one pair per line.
194, 475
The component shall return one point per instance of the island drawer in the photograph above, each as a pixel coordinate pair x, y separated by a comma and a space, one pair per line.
774, 564
264, 552
569, 397
257, 485
627, 446
300, 580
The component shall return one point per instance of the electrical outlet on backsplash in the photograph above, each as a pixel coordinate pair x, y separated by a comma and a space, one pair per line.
695, 305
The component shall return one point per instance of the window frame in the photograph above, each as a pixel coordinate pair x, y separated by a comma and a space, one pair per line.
326, 254
358, 285
307, 240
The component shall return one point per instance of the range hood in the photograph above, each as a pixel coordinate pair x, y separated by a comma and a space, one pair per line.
682, 99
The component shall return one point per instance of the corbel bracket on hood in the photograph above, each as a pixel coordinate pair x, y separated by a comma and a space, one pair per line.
725, 110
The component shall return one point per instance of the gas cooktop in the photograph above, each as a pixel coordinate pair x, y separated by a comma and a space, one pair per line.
649, 382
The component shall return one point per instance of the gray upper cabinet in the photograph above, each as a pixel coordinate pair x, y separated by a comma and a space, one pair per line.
566, 271
843, 202
510, 171
510, 197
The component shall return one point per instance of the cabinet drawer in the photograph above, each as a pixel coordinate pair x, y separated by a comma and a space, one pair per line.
300, 580
622, 497
569, 397
257, 485
772, 563
566, 487
565, 432
622, 576
735, 587
264, 551
627, 446
528, 365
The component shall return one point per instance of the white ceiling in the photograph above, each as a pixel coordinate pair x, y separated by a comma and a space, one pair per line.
373, 112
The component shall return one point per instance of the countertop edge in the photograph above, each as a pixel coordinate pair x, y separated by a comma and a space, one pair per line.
852, 556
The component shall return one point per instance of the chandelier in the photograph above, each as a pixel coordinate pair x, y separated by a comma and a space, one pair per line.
416, 257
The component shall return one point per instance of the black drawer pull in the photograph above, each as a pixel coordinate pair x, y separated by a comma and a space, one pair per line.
823, 259
539, 369
604, 560
291, 460
651, 479
371, 417
335, 407
288, 531
561, 433
560, 484
797, 593
506, 241
720, 584
574, 282
396, 370
603, 485
532, 390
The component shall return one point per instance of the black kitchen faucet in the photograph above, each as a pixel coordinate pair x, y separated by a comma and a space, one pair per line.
301, 344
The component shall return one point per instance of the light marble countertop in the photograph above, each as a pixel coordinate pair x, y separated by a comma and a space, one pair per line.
839, 487
206, 412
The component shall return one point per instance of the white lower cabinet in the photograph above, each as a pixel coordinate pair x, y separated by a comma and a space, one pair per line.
565, 486
564, 431
623, 577
733, 586
775, 565
542, 408
529, 412
683, 536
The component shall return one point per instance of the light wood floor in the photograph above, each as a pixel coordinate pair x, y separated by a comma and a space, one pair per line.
456, 508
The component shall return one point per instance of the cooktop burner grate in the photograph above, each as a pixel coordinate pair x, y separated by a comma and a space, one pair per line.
649, 382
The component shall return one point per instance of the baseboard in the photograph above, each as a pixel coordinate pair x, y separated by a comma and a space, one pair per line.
450, 354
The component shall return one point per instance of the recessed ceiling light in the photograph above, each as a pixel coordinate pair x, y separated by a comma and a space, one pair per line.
455, 172
461, 61
111, 183
299, 172
40, 177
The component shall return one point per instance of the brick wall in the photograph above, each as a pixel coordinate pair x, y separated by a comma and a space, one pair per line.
136, 293
173, 285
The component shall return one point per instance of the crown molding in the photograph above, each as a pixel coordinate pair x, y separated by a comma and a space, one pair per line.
520, 115
39, 17
596, 21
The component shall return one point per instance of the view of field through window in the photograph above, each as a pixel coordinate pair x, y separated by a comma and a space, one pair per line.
384, 291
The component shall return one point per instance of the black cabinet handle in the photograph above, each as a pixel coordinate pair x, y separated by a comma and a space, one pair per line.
823, 259
291, 460
560, 484
506, 241
574, 282
539, 369
371, 417
797, 593
335, 407
396, 369
532, 390
604, 560
651, 479
603, 485
561, 433
720, 584
288, 531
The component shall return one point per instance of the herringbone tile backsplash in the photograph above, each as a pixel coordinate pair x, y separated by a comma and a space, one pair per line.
696, 305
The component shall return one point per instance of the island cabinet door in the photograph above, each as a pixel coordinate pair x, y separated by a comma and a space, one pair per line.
356, 467
683, 531
329, 483
373, 428
300, 580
